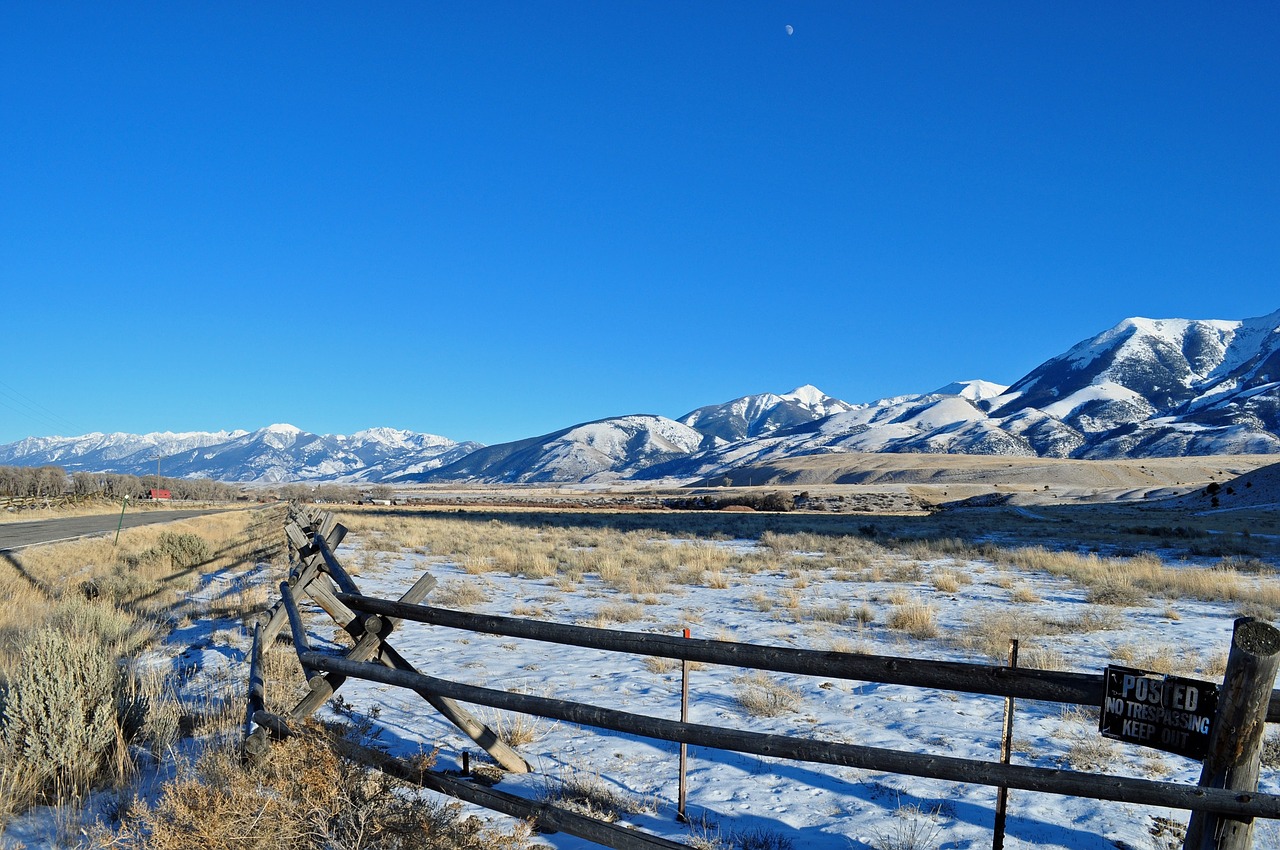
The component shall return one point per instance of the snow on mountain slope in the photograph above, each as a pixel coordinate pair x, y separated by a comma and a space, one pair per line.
99, 452
763, 414
1140, 387
1169, 362
1146, 387
972, 390
593, 451
276, 453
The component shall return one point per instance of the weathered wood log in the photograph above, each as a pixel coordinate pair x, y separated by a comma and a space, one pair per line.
1235, 745
297, 537
508, 758
274, 724
1021, 683
547, 818
367, 646
333, 567
255, 741
275, 616
300, 643
1094, 786
325, 523
257, 688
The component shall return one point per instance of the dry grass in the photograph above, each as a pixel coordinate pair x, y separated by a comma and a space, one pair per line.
839, 612
1086, 749
656, 664
945, 582
1127, 581
305, 796
516, 730
459, 594
761, 695
591, 795
913, 829
1023, 595
918, 619
616, 612
990, 631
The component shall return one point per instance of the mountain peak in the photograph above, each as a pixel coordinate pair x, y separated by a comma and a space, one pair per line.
807, 394
975, 390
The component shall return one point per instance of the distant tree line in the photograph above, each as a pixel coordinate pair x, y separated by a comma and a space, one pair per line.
54, 482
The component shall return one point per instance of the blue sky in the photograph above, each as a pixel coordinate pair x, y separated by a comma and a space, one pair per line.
492, 220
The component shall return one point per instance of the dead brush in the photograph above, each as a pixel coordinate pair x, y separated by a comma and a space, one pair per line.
305, 796
761, 695
617, 612
517, 730
917, 619
458, 594
839, 612
989, 631
588, 794
945, 582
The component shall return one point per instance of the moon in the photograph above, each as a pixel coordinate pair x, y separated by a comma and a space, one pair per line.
791, 30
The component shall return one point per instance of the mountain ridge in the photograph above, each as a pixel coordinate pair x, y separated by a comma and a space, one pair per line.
1142, 388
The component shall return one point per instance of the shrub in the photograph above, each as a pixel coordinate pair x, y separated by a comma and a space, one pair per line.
182, 549
304, 797
915, 618
763, 696
59, 711
458, 594
589, 795
1119, 592
1024, 594
945, 582
914, 829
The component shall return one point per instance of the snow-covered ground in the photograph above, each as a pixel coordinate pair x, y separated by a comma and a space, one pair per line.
815, 806
811, 806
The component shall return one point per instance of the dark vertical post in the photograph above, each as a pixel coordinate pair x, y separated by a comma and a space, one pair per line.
255, 741
684, 748
124, 503
1006, 753
1235, 745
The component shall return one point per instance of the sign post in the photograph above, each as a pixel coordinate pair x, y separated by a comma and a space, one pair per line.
1164, 712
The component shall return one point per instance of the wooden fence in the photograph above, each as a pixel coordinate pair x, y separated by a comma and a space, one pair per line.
1223, 805
19, 503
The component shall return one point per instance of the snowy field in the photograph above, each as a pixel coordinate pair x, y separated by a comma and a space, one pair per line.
814, 806
743, 801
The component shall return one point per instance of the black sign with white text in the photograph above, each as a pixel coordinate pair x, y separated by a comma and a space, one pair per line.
1165, 712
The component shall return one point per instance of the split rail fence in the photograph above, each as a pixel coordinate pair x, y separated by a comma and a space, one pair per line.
1223, 806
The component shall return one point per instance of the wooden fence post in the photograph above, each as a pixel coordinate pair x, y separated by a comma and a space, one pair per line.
255, 740
682, 796
1006, 754
1236, 742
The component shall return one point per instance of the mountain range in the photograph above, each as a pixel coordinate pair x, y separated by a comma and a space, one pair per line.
1144, 388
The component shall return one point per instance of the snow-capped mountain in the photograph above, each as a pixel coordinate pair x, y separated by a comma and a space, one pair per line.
1161, 387
1146, 387
110, 452
273, 454
763, 414
608, 449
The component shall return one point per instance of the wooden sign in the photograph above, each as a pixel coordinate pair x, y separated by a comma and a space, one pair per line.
1164, 712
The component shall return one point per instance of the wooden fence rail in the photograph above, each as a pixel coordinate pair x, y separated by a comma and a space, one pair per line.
1070, 783
370, 621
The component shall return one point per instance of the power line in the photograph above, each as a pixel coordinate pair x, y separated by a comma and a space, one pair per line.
33, 409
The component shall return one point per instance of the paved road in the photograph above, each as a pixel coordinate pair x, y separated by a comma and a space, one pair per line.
15, 535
